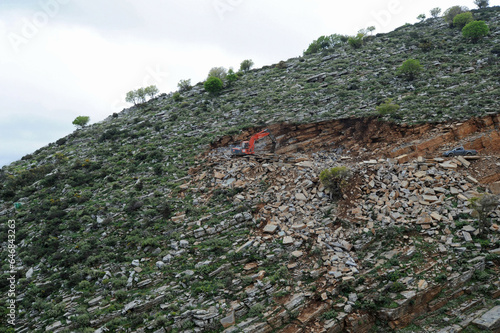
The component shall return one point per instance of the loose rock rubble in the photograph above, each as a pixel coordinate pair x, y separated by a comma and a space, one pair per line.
425, 197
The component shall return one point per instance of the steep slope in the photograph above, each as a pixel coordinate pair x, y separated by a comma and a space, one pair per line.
143, 222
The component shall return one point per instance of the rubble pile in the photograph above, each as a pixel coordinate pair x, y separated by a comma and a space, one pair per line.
427, 198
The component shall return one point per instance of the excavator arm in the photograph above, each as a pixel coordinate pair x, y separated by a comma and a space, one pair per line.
259, 136
248, 147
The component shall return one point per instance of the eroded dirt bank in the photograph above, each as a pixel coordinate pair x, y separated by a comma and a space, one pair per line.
373, 138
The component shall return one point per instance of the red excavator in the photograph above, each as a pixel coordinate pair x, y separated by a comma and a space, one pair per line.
247, 147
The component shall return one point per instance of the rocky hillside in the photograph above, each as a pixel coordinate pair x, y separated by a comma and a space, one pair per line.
145, 223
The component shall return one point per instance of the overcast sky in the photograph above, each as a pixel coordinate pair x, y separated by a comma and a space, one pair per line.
64, 58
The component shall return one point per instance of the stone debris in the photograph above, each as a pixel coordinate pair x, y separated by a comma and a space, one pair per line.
490, 320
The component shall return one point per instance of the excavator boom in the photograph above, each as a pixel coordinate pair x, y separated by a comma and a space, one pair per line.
248, 147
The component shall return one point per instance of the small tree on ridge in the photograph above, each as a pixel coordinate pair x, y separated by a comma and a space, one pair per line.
246, 65
482, 3
219, 72
184, 85
151, 91
81, 121
451, 12
131, 97
435, 12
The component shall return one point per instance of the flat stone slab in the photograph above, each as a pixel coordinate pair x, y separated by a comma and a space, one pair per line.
244, 246
52, 327
472, 179
436, 216
306, 164
295, 302
490, 320
300, 196
287, 240
448, 165
229, 320
270, 228
299, 226
469, 228
464, 162
430, 198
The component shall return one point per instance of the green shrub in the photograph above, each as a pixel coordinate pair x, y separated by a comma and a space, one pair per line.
492, 257
256, 310
421, 17
133, 206
231, 77
387, 107
81, 121
177, 97
82, 320
451, 12
329, 315
409, 69
281, 65
84, 285
121, 295
356, 41
481, 276
323, 43
281, 274
335, 180
441, 278
246, 65
213, 85
475, 30
462, 19
397, 287
184, 85
425, 45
